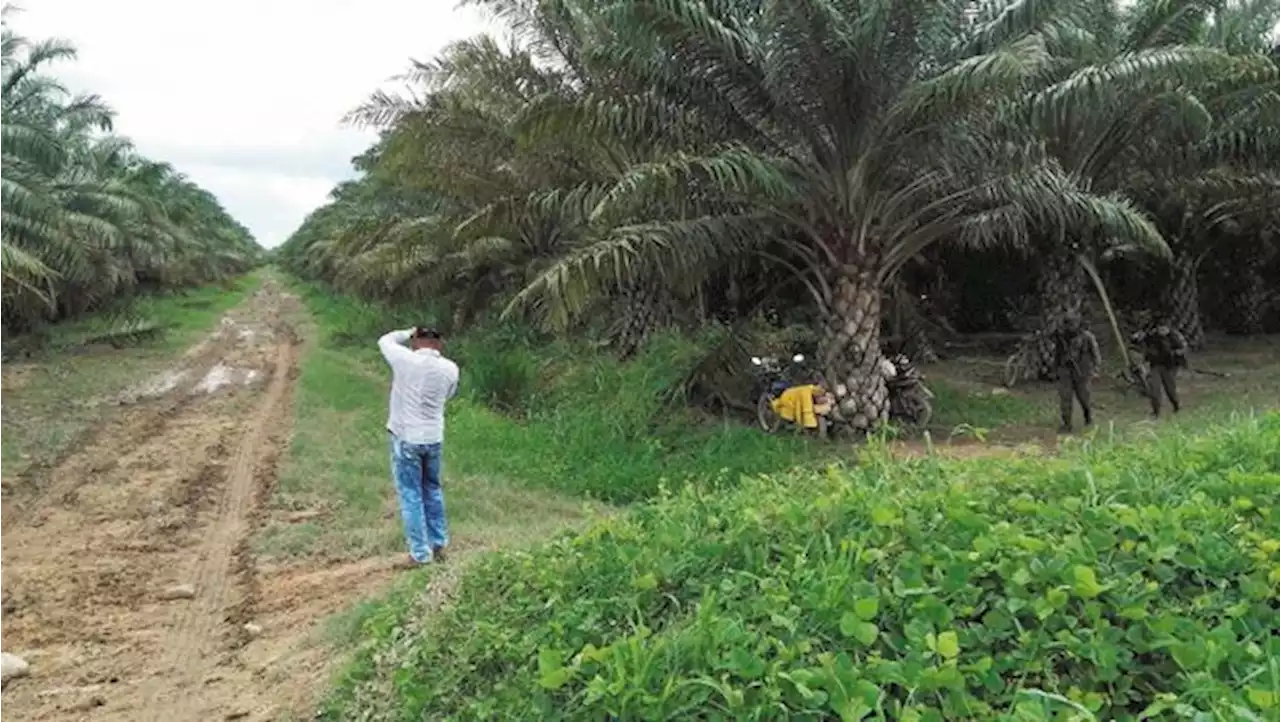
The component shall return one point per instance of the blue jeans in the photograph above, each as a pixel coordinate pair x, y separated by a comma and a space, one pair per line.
416, 470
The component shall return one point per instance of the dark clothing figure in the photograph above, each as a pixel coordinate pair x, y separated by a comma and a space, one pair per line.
1163, 377
1165, 351
1076, 359
1073, 387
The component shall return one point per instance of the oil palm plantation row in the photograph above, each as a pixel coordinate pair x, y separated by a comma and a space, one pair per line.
86, 218
634, 163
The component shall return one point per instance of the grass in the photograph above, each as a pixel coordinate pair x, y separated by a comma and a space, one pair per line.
968, 392
717, 598
566, 420
571, 422
48, 397
338, 465
1116, 581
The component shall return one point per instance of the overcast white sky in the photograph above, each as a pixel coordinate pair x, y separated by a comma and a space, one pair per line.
245, 96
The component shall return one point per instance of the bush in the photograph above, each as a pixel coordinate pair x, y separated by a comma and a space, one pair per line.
571, 418
1119, 583
502, 370
588, 425
362, 323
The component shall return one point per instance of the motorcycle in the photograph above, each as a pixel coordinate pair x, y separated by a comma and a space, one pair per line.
772, 378
909, 397
909, 402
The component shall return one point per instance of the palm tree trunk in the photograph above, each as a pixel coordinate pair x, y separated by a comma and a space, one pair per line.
1251, 302
645, 309
851, 349
916, 342
1062, 290
1184, 299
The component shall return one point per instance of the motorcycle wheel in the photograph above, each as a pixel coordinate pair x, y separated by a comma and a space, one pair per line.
913, 411
765, 416
1012, 370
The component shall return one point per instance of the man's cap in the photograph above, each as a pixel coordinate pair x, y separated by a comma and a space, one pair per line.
426, 332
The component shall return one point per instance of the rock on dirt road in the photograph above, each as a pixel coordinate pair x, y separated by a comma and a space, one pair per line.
12, 666
179, 591
127, 566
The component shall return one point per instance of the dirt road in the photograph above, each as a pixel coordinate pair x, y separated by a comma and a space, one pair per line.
128, 583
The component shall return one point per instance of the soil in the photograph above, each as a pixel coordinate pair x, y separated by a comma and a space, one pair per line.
166, 493
968, 449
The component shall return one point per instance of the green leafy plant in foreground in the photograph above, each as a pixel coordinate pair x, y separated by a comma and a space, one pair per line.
1126, 582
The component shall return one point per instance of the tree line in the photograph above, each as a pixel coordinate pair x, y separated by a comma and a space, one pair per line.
867, 168
87, 220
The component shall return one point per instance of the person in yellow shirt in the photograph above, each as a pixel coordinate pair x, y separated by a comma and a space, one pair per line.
803, 405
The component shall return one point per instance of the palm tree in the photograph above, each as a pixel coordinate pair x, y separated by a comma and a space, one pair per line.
837, 139
85, 218
1171, 110
1226, 175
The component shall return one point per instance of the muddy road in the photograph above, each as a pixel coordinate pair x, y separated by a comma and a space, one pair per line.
129, 586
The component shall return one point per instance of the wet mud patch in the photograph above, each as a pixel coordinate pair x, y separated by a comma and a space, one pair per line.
123, 571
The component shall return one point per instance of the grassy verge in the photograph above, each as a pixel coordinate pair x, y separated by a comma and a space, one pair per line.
578, 424
1245, 376
713, 599
1133, 581
337, 464
46, 397
573, 422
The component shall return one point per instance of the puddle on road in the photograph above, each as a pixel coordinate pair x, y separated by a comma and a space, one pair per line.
158, 385
223, 375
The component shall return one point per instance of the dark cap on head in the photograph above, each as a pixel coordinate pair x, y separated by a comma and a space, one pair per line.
1071, 324
428, 333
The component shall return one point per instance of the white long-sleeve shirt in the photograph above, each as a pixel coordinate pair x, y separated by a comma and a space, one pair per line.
421, 382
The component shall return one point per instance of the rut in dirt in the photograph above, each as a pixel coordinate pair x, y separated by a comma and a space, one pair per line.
143, 412
193, 630
163, 496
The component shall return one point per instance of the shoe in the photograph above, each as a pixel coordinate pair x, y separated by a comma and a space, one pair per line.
1064, 429
438, 555
408, 562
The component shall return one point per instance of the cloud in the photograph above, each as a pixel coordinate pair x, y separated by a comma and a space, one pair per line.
246, 96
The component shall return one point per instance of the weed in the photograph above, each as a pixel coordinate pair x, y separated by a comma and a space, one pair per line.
556, 415
337, 463
1115, 582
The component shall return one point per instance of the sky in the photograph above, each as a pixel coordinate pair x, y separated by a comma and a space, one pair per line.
246, 97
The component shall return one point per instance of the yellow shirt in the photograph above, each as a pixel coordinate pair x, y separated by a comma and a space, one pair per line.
796, 404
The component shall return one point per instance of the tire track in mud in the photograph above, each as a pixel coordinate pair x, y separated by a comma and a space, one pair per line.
142, 419
193, 636
168, 491
245, 563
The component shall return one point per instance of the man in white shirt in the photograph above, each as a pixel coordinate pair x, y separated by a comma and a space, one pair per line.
422, 381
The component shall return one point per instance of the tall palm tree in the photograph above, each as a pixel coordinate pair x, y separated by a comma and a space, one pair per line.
85, 218
1170, 110
1228, 175
838, 138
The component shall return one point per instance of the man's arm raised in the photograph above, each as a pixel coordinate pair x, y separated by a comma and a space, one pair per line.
392, 345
